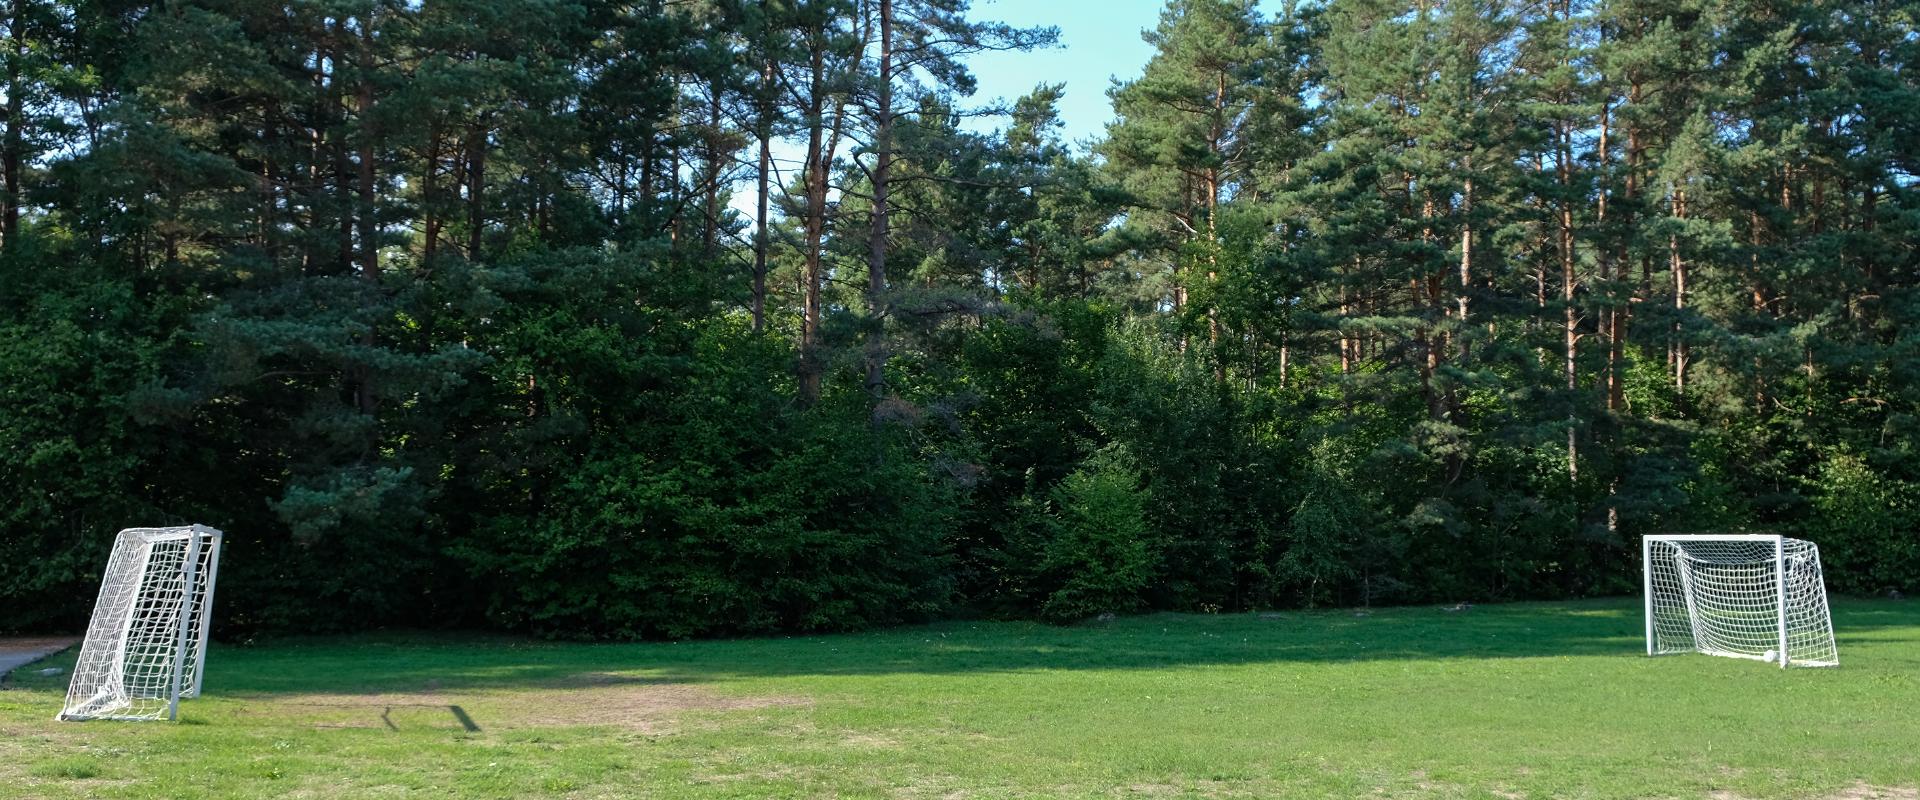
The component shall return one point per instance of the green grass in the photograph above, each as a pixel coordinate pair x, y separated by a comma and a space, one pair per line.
1525, 700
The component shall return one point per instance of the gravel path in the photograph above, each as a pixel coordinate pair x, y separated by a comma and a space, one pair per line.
16, 653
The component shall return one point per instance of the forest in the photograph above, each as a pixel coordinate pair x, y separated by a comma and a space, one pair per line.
678, 318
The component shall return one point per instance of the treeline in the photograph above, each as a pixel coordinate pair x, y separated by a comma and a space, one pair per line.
448, 312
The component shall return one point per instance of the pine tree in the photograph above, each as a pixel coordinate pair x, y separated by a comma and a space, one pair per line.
832, 39
1179, 145
921, 45
27, 69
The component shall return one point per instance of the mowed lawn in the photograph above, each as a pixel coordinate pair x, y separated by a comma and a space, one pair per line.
1525, 700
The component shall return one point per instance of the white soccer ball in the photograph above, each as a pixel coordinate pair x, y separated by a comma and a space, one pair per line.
1772, 656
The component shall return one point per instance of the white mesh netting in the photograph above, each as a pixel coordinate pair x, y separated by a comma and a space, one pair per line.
146, 644
1722, 595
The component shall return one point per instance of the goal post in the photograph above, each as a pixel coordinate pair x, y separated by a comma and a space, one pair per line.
146, 646
1756, 596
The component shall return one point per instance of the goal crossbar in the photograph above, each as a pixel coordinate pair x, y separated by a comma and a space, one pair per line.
1713, 537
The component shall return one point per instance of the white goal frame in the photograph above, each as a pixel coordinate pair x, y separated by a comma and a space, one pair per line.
1719, 594
146, 646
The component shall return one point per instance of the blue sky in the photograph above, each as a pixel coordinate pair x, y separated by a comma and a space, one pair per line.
1100, 39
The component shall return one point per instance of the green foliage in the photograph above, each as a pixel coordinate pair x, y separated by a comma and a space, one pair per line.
73, 460
724, 513
1218, 491
1029, 378
1328, 528
1865, 523
1098, 550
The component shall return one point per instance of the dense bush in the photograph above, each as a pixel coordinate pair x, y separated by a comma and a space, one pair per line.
598, 467
662, 482
74, 462
1867, 524
1092, 549
727, 523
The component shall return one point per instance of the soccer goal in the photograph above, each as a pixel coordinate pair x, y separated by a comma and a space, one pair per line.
147, 642
1757, 596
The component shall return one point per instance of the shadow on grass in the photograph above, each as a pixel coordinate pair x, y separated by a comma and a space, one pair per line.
434, 661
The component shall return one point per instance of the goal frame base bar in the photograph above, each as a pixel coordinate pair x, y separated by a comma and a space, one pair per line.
1798, 662
102, 700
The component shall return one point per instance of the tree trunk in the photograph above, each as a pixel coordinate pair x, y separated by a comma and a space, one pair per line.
476, 188
1346, 345
315, 152
342, 174
11, 162
643, 193
366, 206
430, 200
768, 109
709, 239
1617, 315
877, 239
269, 197
1679, 267
369, 228
762, 236
675, 219
814, 224
1570, 319
1466, 257
1216, 144
1426, 298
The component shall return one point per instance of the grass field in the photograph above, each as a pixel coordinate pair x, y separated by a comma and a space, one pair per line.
1525, 700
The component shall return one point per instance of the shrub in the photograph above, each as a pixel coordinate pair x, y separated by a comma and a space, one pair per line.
1867, 526
1100, 555
729, 513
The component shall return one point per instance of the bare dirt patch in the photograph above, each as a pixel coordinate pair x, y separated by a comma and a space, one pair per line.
1858, 791
638, 706
1199, 788
585, 699
869, 741
1861, 791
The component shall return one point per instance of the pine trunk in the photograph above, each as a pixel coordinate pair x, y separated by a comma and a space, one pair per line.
762, 236
1570, 319
12, 160
1678, 266
367, 205
876, 355
709, 238
476, 189
430, 200
814, 227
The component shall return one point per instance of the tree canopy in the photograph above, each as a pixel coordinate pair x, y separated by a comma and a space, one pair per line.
448, 313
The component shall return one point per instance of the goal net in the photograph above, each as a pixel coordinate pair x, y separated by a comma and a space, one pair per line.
147, 642
1755, 596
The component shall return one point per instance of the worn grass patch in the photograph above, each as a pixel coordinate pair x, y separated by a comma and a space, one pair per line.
1518, 701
